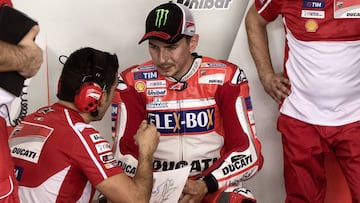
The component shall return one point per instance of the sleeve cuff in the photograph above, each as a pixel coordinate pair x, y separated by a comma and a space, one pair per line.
211, 183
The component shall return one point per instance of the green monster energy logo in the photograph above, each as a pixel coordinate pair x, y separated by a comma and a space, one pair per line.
161, 17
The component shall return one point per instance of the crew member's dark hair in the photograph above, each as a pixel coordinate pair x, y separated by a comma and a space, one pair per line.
87, 65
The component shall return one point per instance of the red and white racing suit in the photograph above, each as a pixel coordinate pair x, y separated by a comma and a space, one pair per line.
322, 62
58, 157
205, 121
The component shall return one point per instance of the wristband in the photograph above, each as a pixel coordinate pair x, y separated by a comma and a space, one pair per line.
210, 182
102, 199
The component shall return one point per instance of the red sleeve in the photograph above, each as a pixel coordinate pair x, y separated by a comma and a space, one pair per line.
242, 157
235, 135
8, 2
268, 9
95, 158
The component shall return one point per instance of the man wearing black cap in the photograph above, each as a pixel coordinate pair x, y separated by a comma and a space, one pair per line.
60, 157
201, 107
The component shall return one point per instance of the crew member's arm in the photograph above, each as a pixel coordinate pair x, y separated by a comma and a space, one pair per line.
121, 188
25, 57
276, 85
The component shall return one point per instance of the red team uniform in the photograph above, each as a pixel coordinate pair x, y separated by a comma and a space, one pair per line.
8, 184
322, 62
205, 121
48, 159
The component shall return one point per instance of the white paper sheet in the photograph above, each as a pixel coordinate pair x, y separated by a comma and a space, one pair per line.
168, 185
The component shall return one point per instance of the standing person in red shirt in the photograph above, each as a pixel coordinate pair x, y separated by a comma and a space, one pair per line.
318, 92
25, 58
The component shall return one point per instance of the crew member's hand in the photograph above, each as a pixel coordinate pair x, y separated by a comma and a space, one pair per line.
31, 54
147, 138
193, 192
276, 85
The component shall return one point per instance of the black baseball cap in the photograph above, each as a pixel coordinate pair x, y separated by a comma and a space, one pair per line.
169, 22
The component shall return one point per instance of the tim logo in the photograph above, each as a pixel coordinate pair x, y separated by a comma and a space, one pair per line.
313, 4
161, 17
145, 75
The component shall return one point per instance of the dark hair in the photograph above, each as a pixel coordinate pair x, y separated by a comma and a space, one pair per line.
188, 38
87, 65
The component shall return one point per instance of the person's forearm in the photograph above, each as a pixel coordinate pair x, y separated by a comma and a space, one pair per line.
25, 58
144, 176
10, 57
258, 43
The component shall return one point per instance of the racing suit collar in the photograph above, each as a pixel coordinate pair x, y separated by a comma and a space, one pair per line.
192, 70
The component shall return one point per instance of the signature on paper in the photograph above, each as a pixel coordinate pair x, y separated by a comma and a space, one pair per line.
162, 192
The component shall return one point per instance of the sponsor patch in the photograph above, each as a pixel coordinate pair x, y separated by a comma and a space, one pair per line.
311, 26
18, 172
239, 77
211, 76
113, 126
196, 165
157, 103
128, 168
237, 162
313, 4
143, 68
215, 65
145, 75
25, 154
155, 83
27, 141
96, 137
248, 103
353, 14
346, 9
110, 165
251, 117
114, 109
178, 86
46, 110
313, 14
156, 92
107, 157
103, 147
140, 86
190, 121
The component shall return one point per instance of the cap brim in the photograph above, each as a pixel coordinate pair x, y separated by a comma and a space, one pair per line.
155, 35
161, 36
